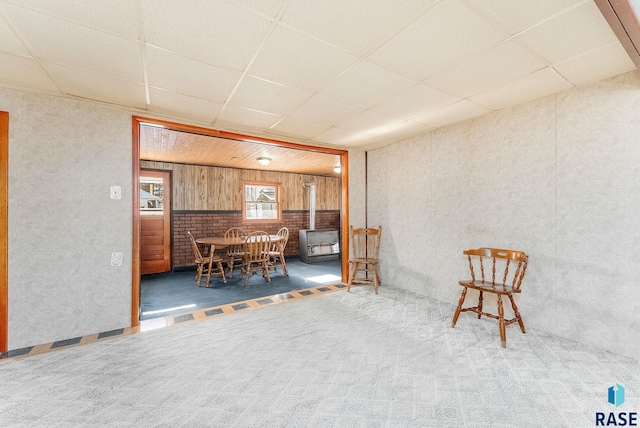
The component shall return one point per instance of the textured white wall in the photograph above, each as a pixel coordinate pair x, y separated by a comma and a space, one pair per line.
63, 227
357, 215
558, 178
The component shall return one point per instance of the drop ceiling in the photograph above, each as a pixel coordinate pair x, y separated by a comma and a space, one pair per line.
335, 73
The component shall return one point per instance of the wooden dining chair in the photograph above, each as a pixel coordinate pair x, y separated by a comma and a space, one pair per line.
209, 264
276, 254
234, 252
256, 255
501, 273
365, 245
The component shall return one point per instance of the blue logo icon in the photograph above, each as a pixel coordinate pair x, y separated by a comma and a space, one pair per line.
616, 395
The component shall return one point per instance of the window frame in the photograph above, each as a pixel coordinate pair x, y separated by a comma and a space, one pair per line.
278, 202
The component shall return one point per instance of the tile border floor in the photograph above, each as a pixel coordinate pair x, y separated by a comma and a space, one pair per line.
170, 320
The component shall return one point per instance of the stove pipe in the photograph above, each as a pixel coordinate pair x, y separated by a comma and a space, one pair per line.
312, 204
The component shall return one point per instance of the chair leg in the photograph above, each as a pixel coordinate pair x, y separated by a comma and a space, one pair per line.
352, 274
245, 270
459, 308
284, 264
265, 270
516, 313
376, 278
503, 327
221, 271
209, 272
199, 274
230, 264
480, 305
224, 278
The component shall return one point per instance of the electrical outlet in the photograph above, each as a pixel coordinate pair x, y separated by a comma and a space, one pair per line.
116, 259
115, 192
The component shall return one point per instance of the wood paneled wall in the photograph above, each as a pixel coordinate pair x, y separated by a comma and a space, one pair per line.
208, 188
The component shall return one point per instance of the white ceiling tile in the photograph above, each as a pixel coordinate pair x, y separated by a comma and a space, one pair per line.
341, 137
244, 119
25, 72
571, 34
173, 104
400, 131
355, 87
596, 65
500, 65
296, 128
9, 43
537, 85
447, 35
517, 16
417, 101
62, 42
175, 73
370, 122
215, 32
458, 112
293, 59
403, 130
267, 7
356, 25
97, 87
119, 17
269, 97
324, 111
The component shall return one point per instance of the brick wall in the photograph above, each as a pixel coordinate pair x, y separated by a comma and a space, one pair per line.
216, 223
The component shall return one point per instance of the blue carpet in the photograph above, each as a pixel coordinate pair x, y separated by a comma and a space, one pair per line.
159, 293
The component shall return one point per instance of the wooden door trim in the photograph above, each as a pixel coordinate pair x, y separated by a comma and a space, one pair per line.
138, 120
166, 208
135, 253
4, 226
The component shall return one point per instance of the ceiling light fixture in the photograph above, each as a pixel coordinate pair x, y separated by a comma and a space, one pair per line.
337, 169
264, 161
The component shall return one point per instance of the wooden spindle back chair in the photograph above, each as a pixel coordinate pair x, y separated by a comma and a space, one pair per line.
234, 252
256, 255
495, 271
209, 264
277, 251
365, 246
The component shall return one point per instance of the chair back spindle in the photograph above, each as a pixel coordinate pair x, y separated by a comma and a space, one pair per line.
501, 261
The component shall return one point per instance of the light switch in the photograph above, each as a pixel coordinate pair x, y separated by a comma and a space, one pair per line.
115, 192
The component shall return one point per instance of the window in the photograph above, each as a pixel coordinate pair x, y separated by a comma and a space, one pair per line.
151, 194
261, 201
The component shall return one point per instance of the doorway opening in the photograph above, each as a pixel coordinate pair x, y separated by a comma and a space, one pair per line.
211, 195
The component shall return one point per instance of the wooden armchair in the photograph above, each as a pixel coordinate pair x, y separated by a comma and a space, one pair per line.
276, 254
256, 255
234, 252
502, 275
365, 245
205, 264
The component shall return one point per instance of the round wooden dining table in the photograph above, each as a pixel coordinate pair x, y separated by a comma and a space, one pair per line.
223, 242
217, 242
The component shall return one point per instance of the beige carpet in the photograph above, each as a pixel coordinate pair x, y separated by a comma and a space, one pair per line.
336, 360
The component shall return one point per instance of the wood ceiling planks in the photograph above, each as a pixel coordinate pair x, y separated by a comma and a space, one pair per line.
166, 145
